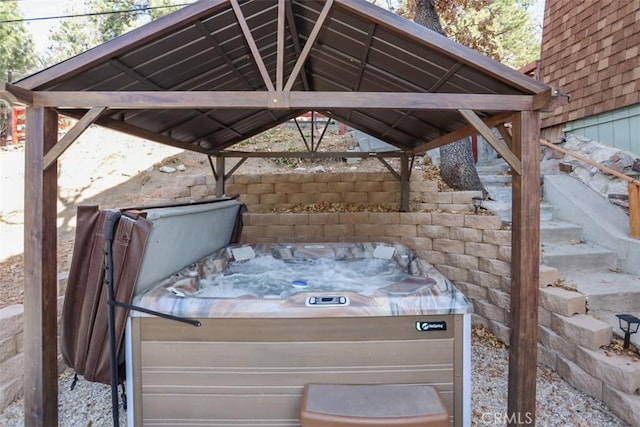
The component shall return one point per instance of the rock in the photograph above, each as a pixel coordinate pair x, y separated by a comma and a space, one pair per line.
611, 157
318, 169
181, 168
167, 169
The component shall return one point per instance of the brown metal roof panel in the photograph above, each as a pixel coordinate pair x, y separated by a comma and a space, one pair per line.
152, 51
155, 120
161, 121
306, 14
426, 37
389, 122
340, 74
379, 80
413, 125
478, 82
417, 62
261, 122
215, 79
441, 119
101, 79
344, 33
363, 121
258, 118
171, 69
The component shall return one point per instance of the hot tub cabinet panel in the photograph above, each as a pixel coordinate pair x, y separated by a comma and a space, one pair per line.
251, 372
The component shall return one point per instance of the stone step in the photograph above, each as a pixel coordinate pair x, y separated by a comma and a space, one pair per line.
562, 301
558, 232
499, 193
491, 178
492, 166
503, 209
584, 256
582, 329
608, 292
549, 276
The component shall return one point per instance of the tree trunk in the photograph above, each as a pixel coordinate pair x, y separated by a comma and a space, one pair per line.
457, 167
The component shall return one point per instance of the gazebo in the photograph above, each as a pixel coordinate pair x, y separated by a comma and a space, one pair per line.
217, 72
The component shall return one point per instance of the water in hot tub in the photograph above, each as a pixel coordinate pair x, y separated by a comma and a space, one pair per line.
266, 276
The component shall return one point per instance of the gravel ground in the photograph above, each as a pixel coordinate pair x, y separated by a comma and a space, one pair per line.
559, 404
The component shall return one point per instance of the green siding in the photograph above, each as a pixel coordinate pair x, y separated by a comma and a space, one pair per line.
619, 128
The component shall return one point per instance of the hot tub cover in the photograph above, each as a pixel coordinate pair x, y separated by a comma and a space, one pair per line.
418, 288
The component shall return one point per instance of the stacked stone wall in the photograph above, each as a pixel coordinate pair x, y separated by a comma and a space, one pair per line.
473, 250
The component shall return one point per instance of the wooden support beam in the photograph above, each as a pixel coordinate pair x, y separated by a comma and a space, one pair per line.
15, 95
220, 178
634, 210
222, 54
549, 100
445, 78
178, 100
253, 47
145, 134
295, 39
525, 264
307, 154
404, 183
235, 168
364, 56
72, 135
280, 48
390, 168
506, 135
302, 58
460, 134
40, 271
499, 146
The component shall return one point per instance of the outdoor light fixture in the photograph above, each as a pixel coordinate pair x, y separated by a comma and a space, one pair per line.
477, 203
629, 325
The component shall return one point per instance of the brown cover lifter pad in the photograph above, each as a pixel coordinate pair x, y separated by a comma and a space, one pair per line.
84, 341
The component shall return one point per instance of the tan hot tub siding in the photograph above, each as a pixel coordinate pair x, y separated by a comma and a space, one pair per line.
257, 367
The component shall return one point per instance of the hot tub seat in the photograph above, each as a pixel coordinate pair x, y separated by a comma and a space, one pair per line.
349, 405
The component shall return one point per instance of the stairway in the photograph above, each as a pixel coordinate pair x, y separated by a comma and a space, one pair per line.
583, 265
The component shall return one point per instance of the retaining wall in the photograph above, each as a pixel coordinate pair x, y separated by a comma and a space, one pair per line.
472, 250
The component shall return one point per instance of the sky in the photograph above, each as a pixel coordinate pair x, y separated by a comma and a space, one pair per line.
43, 8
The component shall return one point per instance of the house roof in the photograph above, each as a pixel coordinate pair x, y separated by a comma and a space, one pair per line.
219, 71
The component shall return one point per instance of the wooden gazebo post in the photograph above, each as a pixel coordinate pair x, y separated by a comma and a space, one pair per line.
525, 264
40, 258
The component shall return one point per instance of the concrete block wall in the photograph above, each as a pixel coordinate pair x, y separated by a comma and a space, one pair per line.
12, 351
572, 343
472, 250
264, 193
11, 354
475, 252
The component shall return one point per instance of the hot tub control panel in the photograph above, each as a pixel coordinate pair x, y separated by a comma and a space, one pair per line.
327, 300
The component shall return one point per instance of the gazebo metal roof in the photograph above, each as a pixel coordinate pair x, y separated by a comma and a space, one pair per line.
236, 59
219, 71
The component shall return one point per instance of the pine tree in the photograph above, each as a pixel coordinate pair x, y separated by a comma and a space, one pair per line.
457, 166
17, 56
75, 35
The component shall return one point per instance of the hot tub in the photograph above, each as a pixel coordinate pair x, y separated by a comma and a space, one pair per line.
276, 317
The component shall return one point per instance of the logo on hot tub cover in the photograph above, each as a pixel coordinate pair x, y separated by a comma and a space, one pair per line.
431, 326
